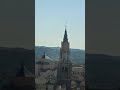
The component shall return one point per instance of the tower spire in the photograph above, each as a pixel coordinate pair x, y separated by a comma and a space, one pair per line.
21, 70
43, 55
65, 39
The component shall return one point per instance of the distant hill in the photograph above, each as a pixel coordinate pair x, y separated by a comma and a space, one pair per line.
77, 55
102, 71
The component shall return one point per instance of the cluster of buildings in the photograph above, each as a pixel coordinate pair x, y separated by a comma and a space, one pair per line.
62, 75
23, 79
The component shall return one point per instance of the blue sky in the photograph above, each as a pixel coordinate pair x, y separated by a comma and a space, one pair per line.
51, 17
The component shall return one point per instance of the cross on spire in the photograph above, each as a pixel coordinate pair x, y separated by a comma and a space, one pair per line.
65, 27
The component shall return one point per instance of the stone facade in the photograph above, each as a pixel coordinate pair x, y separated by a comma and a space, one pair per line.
64, 66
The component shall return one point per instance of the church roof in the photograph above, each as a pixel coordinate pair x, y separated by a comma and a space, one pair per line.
27, 72
40, 62
44, 60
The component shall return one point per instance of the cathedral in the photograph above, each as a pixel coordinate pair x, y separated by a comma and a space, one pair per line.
63, 75
64, 66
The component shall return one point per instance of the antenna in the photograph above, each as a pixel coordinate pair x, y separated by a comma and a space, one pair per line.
65, 24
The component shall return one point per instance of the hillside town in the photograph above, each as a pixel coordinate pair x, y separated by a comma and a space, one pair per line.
48, 74
61, 75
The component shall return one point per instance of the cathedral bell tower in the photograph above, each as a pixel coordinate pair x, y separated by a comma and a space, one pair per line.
64, 65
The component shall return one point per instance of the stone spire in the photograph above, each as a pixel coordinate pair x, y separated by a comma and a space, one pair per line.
21, 70
43, 56
65, 39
